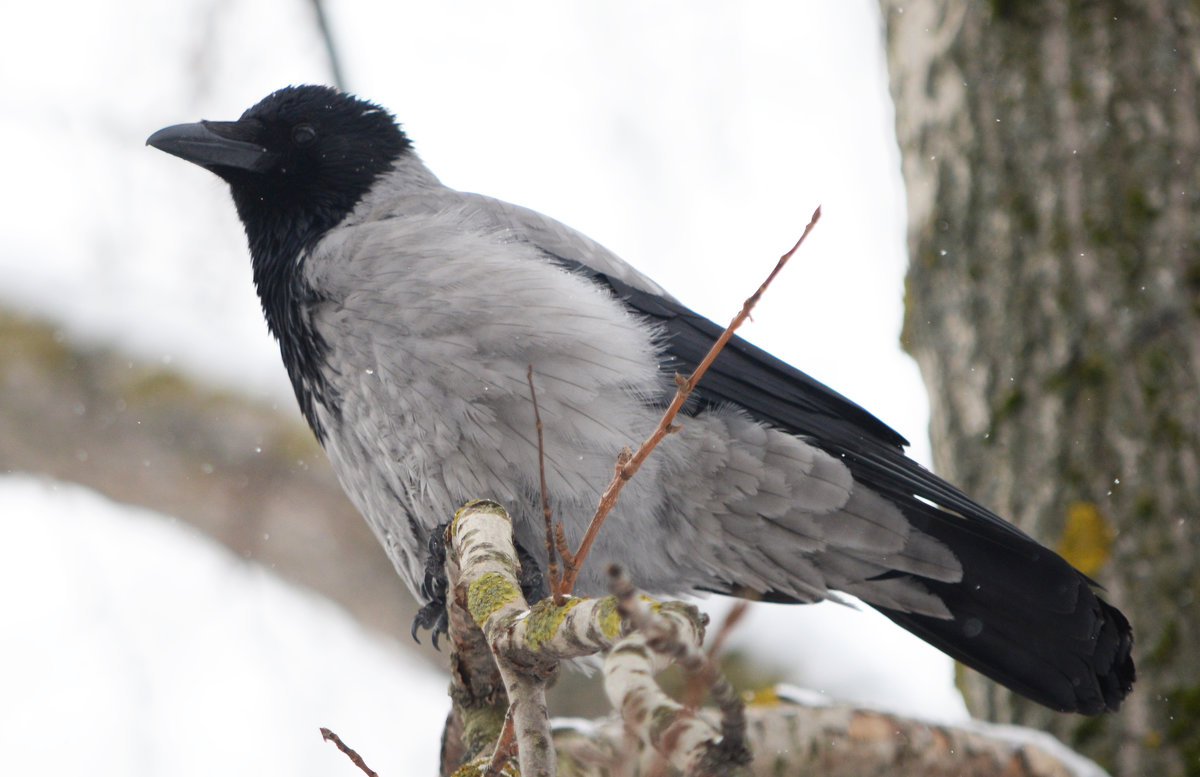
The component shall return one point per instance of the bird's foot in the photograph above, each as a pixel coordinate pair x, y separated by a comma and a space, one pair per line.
433, 614
433, 617
532, 582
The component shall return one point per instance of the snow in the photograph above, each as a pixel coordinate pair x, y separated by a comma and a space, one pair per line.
135, 646
693, 139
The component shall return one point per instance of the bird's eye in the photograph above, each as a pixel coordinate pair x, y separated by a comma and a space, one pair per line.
303, 134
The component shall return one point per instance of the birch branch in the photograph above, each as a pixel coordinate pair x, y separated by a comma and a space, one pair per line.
527, 645
671, 634
815, 737
641, 637
486, 565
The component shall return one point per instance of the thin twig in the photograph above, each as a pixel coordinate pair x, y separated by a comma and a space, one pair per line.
335, 61
552, 575
626, 470
506, 747
564, 552
696, 687
329, 736
731, 619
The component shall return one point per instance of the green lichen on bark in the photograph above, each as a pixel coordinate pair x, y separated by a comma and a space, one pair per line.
481, 726
1087, 537
488, 593
608, 617
477, 767
544, 619
1052, 303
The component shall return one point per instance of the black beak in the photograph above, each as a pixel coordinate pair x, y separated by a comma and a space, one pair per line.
208, 145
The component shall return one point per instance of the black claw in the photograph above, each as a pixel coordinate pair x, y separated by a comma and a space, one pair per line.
441, 626
432, 615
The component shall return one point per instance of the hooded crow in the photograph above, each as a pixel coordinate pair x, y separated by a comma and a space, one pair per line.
407, 314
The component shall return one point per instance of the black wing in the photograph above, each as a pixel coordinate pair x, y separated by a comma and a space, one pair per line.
1021, 614
774, 392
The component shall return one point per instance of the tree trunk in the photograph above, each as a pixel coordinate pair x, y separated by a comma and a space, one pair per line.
1053, 303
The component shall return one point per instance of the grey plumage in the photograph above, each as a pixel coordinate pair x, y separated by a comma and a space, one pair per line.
407, 313
434, 408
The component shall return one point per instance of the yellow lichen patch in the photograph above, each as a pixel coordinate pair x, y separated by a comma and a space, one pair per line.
544, 619
481, 726
477, 767
761, 697
489, 593
608, 617
1087, 537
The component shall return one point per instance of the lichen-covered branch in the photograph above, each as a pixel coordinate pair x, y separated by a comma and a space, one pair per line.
485, 574
662, 635
788, 738
528, 643
490, 620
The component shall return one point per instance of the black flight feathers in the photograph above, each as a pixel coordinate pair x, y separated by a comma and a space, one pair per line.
1019, 609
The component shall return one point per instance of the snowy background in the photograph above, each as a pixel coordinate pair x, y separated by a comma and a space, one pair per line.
692, 138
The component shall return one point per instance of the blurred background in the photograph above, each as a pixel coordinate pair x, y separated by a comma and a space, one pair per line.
186, 590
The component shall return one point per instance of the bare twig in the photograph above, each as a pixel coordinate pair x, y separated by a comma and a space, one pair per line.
694, 692
329, 736
335, 61
564, 552
731, 619
553, 578
506, 747
626, 470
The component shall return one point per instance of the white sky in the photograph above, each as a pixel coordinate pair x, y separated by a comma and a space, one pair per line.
693, 138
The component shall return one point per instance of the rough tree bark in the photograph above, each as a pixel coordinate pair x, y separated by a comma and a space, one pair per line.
1053, 303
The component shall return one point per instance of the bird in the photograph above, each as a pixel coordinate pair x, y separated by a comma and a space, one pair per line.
408, 313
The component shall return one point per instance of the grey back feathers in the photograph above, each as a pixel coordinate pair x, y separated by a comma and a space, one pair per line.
407, 314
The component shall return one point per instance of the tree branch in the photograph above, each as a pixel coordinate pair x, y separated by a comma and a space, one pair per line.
354, 757
528, 644
335, 61
670, 634
807, 735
